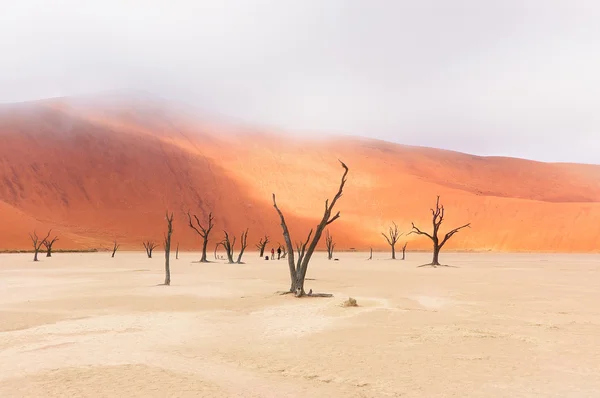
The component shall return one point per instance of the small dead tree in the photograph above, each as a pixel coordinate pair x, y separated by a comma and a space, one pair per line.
168, 249
392, 237
177, 252
438, 218
149, 246
371, 255
283, 250
48, 245
228, 245
243, 241
203, 231
330, 245
37, 243
404, 251
115, 248
261, 245
298, 269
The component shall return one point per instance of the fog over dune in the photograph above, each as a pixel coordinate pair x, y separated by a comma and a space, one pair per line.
516, 78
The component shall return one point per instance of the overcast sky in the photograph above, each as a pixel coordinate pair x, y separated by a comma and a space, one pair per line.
517, 78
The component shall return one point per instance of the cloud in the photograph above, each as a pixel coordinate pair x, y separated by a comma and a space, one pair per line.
512, 78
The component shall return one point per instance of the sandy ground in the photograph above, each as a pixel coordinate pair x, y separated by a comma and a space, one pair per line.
87, 325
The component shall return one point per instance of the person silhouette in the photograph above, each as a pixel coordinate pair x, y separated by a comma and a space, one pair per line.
272, 253
278, 252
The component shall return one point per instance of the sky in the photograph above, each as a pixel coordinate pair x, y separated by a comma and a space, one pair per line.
512, 77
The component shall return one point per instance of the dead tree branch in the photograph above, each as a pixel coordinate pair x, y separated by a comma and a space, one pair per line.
203, 231
261, 245
149, 246
37, 243
330, 244
298, 270
437, 219
48, 245
168, 249
115, 248
228, 245
404, 251
392, 237
243, 241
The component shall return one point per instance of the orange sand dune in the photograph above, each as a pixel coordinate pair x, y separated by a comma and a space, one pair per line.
107, 168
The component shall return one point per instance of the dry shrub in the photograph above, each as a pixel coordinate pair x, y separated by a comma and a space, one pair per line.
350, 303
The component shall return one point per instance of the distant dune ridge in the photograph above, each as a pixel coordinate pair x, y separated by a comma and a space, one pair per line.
101, 168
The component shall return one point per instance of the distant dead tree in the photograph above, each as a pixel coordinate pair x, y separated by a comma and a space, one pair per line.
115, 248
261, 245
216, 248
371, 255
392, 237
48, 245
168, 248
149, 246
37, 243
228, 245
283, 250
438, 218
404, 251
243, 241
203, 231
330, 245
298, 270
177, 252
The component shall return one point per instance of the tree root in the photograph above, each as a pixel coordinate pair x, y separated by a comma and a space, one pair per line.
319, 295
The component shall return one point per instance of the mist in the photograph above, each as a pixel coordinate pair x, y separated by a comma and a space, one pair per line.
511, 78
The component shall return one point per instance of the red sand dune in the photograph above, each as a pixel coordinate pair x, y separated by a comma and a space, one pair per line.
107, 168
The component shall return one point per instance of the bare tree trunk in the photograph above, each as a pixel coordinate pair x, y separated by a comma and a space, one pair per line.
37, 243
204, 232
298, 270
404, 251
168, 249
48, 244
177, 252
261, 245
436, 255
244, 239
438, 218
115, 247
149, 246
330, 245
392, 237
228, 245
371, 256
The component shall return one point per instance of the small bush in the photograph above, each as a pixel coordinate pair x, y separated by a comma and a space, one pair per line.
350, 303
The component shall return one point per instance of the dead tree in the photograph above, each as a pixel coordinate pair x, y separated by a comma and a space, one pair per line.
115, 248
149, 246
37, 243
243, 241
283, 250
228, 245
177, 252
392, 237
48, 245
261, 245
216, 248
438, 218
404, 251
330, 245
204, 232
371, 255
298, 270
168, 249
